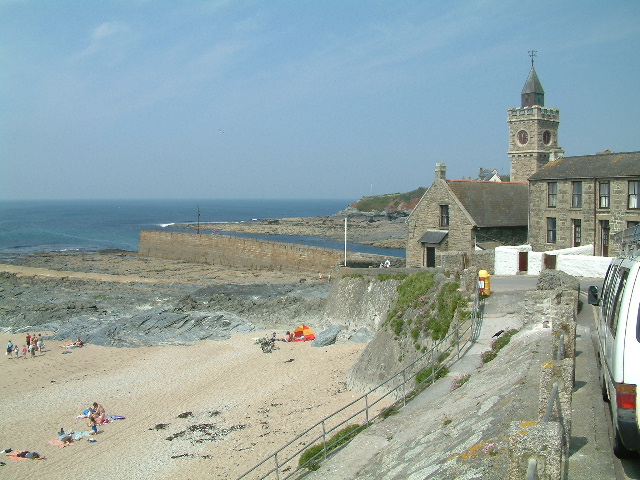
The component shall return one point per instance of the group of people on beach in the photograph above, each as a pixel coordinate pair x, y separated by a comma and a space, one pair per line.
95, 414
96, 417
32, 345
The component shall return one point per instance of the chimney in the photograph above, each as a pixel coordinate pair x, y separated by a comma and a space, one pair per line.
556, 154
441, 171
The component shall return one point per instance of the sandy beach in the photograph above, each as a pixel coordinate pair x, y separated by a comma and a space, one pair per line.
259, 400
212, 409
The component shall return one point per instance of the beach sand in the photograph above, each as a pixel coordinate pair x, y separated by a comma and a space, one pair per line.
225, 405
258, 401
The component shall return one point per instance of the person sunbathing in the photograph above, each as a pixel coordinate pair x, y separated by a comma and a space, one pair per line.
77, 343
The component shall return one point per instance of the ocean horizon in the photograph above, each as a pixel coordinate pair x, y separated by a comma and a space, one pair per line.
33, 226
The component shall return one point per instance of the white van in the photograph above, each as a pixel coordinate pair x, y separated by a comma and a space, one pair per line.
619, 342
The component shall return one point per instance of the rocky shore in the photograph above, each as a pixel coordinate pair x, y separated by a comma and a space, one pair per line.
194, 407
380, 229
122, 299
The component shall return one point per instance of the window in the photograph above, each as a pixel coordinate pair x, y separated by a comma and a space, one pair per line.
604, 194
617, 301
634, 194
576, 194
577, 232
551, 230
444, 215
552, 194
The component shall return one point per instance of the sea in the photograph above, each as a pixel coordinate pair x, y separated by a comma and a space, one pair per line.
34, 226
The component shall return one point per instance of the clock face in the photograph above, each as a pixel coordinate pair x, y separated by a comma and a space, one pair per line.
546, 137
523, 137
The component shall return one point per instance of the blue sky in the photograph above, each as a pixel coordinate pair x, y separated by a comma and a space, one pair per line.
297, 99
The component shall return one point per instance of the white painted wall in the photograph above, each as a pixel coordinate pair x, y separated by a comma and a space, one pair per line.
576, 261
506, 259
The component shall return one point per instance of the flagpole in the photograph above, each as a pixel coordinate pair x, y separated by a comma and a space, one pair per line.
345, 241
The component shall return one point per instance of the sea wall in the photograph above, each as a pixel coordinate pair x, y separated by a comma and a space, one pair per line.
244, 252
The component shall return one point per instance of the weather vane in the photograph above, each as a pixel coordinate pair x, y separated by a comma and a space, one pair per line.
532, 54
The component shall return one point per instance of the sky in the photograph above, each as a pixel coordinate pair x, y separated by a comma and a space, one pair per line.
297, 99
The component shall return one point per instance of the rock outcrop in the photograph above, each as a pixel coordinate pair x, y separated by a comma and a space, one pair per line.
358, 302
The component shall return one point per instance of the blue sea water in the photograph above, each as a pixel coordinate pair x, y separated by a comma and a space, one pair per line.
93, 225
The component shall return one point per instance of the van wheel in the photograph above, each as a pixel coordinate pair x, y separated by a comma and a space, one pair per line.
619, 450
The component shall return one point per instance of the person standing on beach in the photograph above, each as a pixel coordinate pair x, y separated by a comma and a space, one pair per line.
24, 351
40, 343
28, 339
9, 348
16, 350
34, 345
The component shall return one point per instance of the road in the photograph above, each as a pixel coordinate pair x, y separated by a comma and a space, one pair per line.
624, 469
591, 452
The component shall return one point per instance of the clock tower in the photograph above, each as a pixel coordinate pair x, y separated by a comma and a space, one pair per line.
533, 130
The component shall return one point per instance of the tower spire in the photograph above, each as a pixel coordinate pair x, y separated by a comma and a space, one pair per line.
532, 93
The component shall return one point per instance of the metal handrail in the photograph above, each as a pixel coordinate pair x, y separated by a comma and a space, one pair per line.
402, 393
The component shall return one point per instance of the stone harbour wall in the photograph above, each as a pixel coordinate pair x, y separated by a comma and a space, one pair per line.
251, 253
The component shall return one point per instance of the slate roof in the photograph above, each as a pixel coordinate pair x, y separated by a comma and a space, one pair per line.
533, 84
603, 165
493, 204
433, 236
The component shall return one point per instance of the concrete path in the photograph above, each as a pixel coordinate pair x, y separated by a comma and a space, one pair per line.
461, 434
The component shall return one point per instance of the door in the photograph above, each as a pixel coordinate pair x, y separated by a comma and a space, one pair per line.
549, 262
523, 261
431, 257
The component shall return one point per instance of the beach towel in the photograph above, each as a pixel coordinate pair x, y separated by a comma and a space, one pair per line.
56, 442
16, 455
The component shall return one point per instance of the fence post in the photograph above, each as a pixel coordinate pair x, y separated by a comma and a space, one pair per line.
366, 408
275, 457
324, 440
458, 340
404, 387
433, 367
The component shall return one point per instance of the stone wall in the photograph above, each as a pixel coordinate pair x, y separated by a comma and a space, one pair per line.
237, 251
246, 252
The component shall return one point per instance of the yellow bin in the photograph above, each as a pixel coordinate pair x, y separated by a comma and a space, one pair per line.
485, 282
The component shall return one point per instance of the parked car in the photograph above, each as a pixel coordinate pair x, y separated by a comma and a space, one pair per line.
619, 349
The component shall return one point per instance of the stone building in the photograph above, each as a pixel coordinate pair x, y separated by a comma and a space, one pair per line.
533, 131
464, 215
564, 202
576, 201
